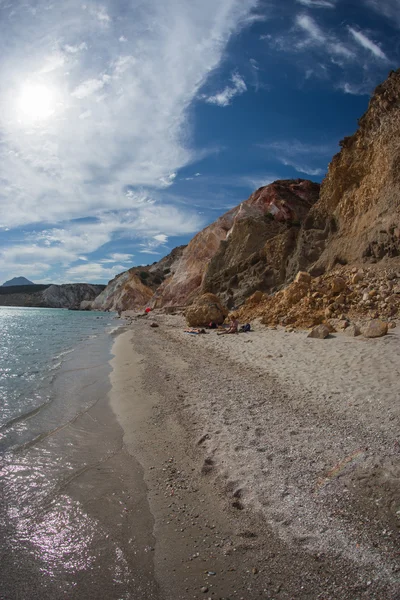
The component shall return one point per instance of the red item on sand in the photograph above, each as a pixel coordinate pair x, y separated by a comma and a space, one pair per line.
147, 310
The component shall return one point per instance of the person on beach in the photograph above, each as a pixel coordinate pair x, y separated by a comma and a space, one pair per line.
233, 327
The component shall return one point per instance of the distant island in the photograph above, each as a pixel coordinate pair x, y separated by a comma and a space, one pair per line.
17, 281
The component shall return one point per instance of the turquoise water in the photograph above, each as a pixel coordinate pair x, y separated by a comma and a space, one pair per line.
66, 481
34, 343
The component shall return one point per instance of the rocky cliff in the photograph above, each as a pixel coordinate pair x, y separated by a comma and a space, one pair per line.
291, 226
237, 252
357, 216
70, 295
134, 289
53, 296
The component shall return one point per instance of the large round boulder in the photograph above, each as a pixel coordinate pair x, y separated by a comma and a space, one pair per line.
206, 309
374, 329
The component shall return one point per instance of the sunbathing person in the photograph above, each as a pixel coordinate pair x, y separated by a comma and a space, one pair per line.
233, 327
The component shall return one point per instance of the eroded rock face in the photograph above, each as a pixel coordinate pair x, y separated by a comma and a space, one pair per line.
245, 250
134, 289
357, 215
70, 295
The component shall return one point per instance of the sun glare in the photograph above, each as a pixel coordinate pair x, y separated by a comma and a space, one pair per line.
36, 102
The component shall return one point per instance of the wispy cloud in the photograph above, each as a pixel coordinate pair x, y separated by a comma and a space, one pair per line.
225, 97
317, 3
93, 272
309, 25
368, 44
388, 8
304, 158
355, 89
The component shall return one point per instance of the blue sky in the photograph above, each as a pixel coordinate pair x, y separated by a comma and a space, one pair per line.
128, 125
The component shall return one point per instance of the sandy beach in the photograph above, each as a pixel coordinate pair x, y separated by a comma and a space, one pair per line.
271, 460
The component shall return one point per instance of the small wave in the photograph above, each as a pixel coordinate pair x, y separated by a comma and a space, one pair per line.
25, 416
118, 329
61, 354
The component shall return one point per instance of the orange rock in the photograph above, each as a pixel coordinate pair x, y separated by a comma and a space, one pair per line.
303, 277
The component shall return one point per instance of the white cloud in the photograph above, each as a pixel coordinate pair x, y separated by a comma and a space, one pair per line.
304, 158
75, 49
254, 182
100, 13
225, 97
355, 89
167, 180
368, 44
62, 247
161, 237
137, 134
311, 28
316, 3
92, 272
120, 257
88, 87
314, 172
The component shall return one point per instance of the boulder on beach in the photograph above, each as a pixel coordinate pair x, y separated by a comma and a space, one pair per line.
352, 330
375, 329
320, 332
207, 308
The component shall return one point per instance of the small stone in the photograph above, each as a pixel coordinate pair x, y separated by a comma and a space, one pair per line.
204, 589
254, 570
320, 332
303, 277
154, 324
392, 325
356, 278
338, 284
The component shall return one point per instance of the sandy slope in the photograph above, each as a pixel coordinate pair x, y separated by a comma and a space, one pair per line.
301, 438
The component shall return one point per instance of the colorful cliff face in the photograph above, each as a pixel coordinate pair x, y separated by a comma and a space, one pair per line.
291, 226
357, 216
272, 208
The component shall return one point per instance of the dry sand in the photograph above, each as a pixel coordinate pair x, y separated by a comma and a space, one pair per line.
272, 456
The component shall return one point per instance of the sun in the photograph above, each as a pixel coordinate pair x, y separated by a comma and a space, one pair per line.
36, 102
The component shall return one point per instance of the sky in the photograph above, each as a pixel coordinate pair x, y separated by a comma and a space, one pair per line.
126, 126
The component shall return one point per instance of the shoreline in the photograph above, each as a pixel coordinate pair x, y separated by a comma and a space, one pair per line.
289, 479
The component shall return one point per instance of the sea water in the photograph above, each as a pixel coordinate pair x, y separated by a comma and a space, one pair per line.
64, 476
34, 344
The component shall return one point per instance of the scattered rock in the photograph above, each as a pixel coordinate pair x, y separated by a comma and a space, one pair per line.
255, 298
352, 330
319, 333
375, 329
154, 324
357, 278
338, 285
303, 277
204, 589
